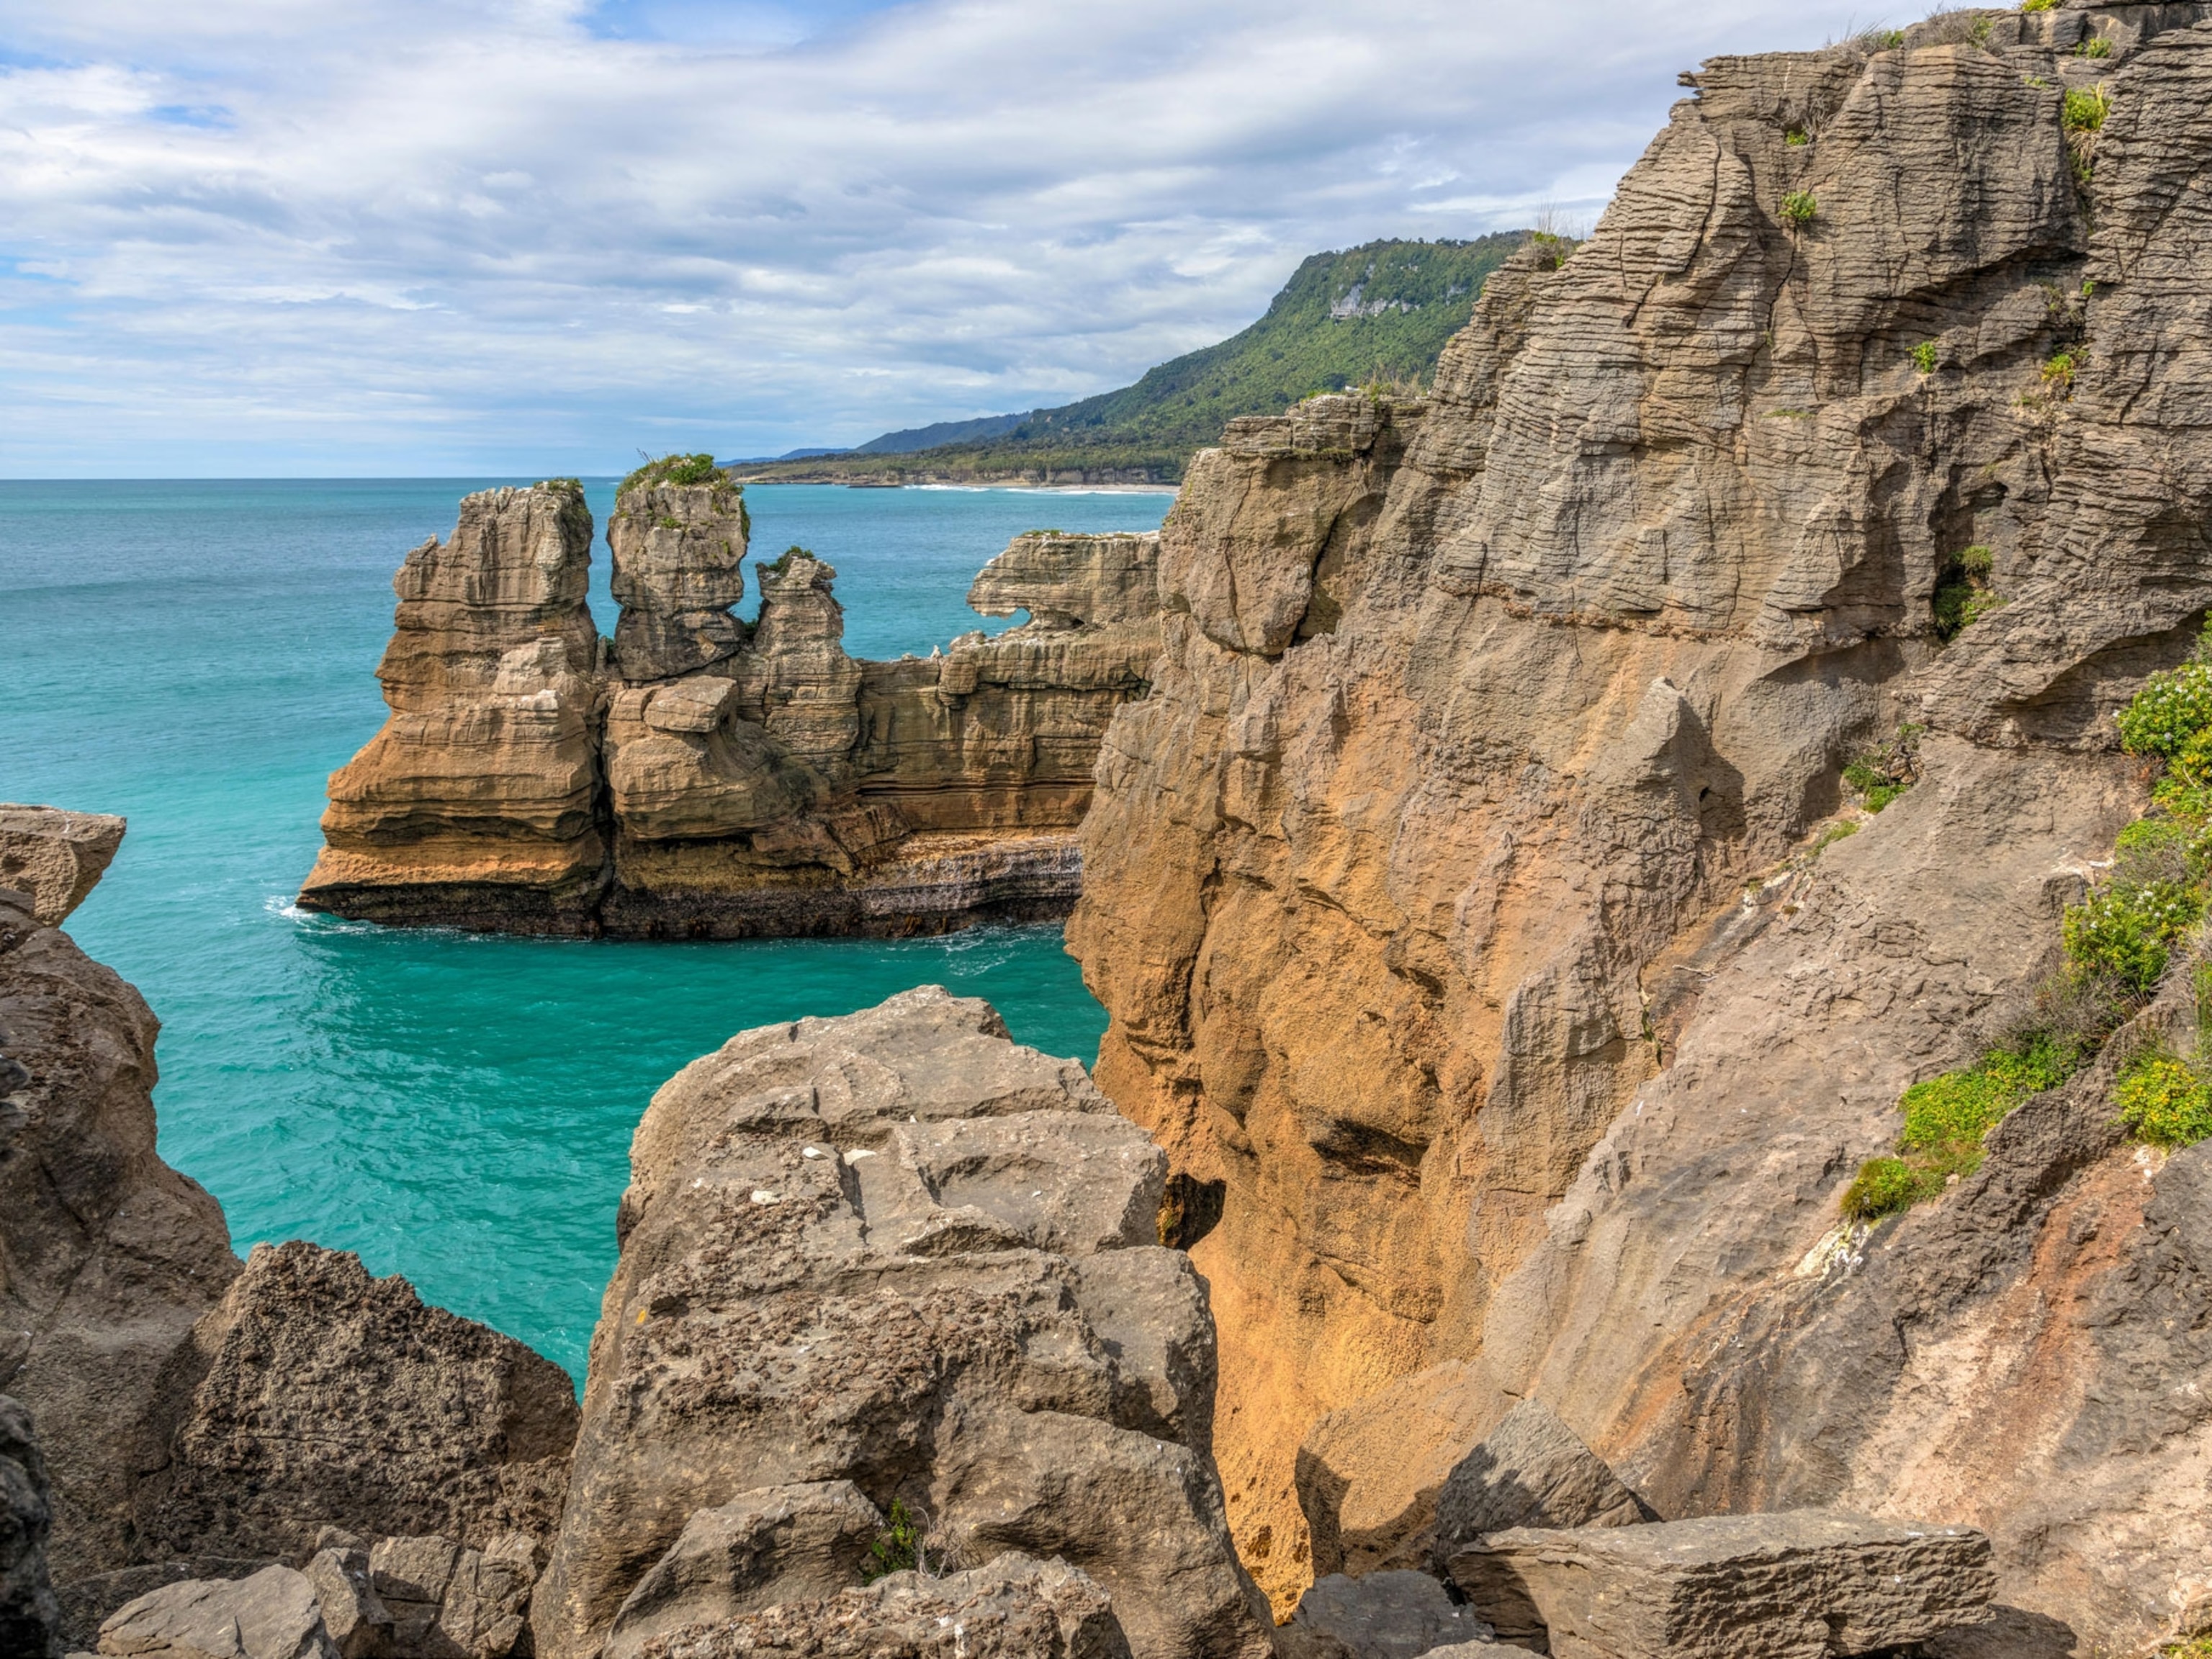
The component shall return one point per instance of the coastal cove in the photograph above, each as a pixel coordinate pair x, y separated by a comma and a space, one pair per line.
199, 656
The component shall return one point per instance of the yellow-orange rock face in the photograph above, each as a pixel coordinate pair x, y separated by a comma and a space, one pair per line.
1417, 888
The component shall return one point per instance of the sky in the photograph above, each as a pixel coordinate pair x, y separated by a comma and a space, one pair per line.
299, 238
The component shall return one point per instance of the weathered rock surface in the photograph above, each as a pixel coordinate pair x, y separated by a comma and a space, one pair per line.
30, 1619
1013, 1608
705, 779
679, 566
897, 1250
271, 1615
1808, 1585
107, 1255
354, 1617
1416, 888
448, 1601
475, 805
1384, 1615
324, 1397
56, 857
1532, 1471
777, 1544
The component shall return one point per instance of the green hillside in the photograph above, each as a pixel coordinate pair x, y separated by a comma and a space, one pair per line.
1380, 312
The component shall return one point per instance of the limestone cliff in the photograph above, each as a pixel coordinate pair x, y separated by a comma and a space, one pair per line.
702, 777
1417, 888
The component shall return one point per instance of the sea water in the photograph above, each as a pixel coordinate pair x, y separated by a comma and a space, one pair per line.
199, 657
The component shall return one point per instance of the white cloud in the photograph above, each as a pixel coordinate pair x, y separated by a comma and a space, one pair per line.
278, 236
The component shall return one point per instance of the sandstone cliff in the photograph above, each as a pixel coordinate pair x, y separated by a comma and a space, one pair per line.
702, 777
1417, 888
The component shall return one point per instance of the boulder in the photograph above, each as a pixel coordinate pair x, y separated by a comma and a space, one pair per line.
56, 857
326, 1397
786, 1542
1070, 581
274, 1614
358, 1623
29, 1617
1798, 1584
1013, 1608
1385, 1615
1531, 1471
897, 1250
448, 1602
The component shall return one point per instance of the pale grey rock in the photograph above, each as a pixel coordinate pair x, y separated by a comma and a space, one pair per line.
56, 857
448, 1601
274, 1614
360, 1625
693, 705
1531, 1470
860, 1250
778, 1544
1386, 1615
1070, 581
30, 1619
1012, 1608
1798, 1584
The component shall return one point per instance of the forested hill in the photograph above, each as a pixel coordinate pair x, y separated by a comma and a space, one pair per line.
1380, 311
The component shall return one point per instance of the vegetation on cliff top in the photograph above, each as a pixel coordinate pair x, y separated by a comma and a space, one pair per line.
674, 470
2136, 927
1378, 312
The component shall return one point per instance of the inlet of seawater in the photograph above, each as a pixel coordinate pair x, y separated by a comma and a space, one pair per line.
199, 656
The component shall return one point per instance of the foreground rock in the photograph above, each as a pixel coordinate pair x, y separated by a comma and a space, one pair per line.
894, 1259
703, 777
107, 1255
329, 1398
1384, 1615
1014, 1608
1809, 1585
1417, 888
56, 857
29, 1617
274, 1614
1531, 1471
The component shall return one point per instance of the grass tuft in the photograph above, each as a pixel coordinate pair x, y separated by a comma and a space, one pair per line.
1801, 207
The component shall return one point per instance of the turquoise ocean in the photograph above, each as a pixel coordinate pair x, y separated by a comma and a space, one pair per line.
199, 656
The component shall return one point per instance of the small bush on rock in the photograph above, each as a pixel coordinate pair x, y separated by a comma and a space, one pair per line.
2125, 932
1801, 207
898, 1548
2038, 5
674, 470
1887, 1186
2087, 108
1923, 356
2096, 45
2164, 1103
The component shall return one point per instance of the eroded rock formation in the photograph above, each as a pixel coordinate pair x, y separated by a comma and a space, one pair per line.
703, 777
892, 1262
1417, 888
56, 857
30, 1619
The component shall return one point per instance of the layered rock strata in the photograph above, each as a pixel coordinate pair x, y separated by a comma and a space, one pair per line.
705, 777
883, 1265
56, 857
1417, 888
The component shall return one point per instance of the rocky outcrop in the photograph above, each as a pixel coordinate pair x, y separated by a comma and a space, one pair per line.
713, 779
273, 1614
30, 1619
325, 1398
1454, 893
893, 1260
477, 805
56, 857
107, 1255
1383, 1615
1807, 1585
1014, 1608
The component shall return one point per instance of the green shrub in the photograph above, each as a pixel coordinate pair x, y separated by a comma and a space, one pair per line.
674, 470
1923, 356
2038, 5
898, 1548
2172, 708
1882, 793
2058, 373
2125, 930
1882, 39
1957, 1110
2096, 45
1801, 207
1887, 1186
1834, 833
1977, 561
2164, 1103
2087, 108
1796, 136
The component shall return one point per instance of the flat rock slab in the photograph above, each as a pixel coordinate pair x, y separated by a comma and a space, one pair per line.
1531, 1471
56, 857
272, 1615
1385, 1615
1799, 1585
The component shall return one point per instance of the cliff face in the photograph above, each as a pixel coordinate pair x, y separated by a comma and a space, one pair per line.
700, 777
1417, 888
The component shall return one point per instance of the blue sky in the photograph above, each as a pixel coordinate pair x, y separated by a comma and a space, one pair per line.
300, 237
